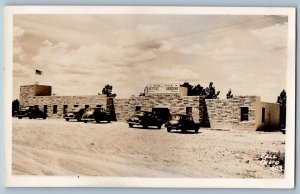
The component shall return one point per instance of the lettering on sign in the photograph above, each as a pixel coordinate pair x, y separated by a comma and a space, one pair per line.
162, 88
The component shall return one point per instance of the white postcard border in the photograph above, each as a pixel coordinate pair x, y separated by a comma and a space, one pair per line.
84, 181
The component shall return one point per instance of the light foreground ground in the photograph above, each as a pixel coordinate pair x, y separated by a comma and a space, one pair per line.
57, 147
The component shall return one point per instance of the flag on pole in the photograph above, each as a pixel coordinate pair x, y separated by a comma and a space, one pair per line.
38, 72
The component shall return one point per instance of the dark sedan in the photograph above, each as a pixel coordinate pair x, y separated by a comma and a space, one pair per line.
182, 122
145, 119
31, 113
74, 114
95, 114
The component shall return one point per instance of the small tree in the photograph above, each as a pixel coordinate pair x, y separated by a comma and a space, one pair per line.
110, 107
229, 94
281, 99
107, 90
198, 90
211, 92
15, 106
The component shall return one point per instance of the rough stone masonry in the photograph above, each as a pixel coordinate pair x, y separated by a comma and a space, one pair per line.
240, 112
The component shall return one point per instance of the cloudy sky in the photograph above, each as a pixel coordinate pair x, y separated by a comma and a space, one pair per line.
79, 54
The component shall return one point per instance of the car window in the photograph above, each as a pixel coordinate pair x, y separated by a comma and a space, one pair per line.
24, 108
90, 110
175, 117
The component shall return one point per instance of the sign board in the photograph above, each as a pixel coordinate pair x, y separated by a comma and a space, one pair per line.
162, 88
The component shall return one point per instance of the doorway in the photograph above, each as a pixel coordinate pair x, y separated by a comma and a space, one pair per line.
162, 112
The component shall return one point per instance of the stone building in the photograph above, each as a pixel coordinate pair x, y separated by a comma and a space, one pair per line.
243, 113
240, 112
173, 103
55, 106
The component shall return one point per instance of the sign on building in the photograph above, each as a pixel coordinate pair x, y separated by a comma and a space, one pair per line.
162, 88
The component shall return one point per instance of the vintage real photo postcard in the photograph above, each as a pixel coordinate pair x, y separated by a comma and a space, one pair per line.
149, 97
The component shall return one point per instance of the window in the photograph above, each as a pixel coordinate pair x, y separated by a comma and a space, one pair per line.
189, 110
137, 108
87, 106
263, 115
65, 108
244, 113
98, 105
45, 109
76, 105
54, 109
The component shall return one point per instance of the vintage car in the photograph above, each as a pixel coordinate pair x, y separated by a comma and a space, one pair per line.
31, 113
95, 114
182, 122
145, 119
74, 114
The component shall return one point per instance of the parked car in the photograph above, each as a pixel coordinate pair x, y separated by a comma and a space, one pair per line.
31, 113
95, 114
74, 114
145, 119
182, 122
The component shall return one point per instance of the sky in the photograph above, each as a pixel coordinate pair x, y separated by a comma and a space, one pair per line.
80, 54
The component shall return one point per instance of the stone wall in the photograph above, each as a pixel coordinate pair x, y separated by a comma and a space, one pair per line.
226, 113
28, 98
26, 92
34, 90
60, 101
176, 104
244, 101
216, 113
219, 113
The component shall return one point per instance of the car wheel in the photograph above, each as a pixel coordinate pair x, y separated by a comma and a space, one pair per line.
67, 119
108, 121
158, 126
85, 121
44, 117
145, 126
283, 131
19, 117
183, 130
196, 130
30, 117
169, 129
97, 121
78, 119
130, 125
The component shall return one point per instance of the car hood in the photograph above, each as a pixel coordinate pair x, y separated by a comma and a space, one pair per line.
22, 112
88, 114
173, 122
134, 118
69, 114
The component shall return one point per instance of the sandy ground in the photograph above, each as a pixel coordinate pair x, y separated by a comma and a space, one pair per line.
57, 147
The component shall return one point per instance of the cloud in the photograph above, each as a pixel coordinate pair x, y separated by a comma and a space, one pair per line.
21, 70
272, 37
79, 55
97, 64
18, 33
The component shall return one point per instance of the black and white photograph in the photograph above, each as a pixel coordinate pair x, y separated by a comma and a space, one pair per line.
150, 96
